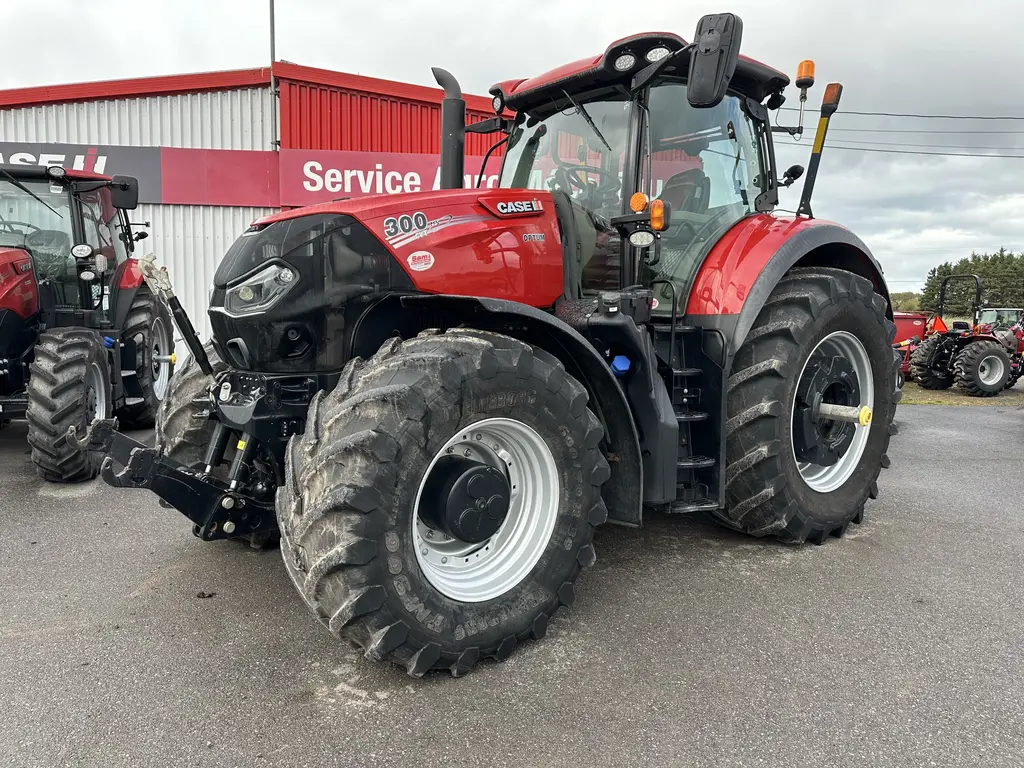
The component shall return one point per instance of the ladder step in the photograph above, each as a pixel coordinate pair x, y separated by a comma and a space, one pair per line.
693, 505
683, 418
667, 328
696, 462
687, 371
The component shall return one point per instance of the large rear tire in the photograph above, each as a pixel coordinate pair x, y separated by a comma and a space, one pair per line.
149, 324
355, 536
982, 369
819, 325
69, 386
925, 376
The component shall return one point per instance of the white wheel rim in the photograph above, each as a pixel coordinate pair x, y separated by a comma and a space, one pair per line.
473, 573
160, 346
95, 394
828, 479
991, 370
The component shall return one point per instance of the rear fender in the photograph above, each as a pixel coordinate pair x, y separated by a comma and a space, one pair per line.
407, 315
739, 274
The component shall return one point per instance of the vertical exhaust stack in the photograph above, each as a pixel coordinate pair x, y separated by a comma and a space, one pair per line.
453, 130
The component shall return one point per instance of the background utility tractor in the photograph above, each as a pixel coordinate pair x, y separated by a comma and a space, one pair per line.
980, 359
436, 397
81, 336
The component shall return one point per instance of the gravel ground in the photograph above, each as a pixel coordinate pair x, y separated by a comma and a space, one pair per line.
896, 646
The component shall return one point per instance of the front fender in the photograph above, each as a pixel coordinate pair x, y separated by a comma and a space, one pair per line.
623, 493
741, 271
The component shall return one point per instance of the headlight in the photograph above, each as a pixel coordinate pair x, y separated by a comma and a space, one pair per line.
657, 54
625, 62
261, 291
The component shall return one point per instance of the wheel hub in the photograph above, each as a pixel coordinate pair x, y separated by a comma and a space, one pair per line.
482, 521
466, 499
825, 380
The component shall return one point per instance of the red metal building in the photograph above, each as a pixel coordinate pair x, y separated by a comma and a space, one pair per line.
215, 150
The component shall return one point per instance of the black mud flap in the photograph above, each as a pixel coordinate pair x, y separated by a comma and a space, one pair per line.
217, 511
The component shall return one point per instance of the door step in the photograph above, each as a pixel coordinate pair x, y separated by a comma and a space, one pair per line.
691, 416
693, 505
696, 462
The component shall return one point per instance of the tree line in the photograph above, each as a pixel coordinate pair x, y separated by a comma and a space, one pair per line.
1002, 283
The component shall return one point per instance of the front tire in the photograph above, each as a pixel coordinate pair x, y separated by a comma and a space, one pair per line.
149, 325
982, 369
352, 510
778, 479
69, 386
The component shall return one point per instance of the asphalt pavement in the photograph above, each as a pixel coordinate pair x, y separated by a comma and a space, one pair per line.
124, 641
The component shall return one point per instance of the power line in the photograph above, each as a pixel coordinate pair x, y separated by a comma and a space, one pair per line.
935, 146
922, 117
936, 154
925, 130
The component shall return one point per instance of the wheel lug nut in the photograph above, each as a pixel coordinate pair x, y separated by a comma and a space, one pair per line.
479, 436
430, 534
423, 551
444, 560
466, 452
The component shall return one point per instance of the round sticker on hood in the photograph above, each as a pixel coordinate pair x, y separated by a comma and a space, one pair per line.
420, 261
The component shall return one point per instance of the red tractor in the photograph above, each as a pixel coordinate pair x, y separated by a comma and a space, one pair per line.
980, 358
436, 398
81, 336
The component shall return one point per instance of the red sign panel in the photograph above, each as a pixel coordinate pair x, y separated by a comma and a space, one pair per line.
318, 176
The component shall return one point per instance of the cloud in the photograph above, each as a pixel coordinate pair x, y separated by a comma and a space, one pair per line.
892, 55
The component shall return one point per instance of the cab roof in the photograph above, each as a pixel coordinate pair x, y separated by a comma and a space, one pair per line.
752, 78
38, 172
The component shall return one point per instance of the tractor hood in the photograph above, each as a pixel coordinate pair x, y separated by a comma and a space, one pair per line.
18, 291
497, 243
291, 289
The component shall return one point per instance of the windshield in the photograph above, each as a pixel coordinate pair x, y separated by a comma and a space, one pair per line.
579, 150
708, 164
46, 234
1000, 317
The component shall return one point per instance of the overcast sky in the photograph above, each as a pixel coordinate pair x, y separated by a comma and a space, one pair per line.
919, 56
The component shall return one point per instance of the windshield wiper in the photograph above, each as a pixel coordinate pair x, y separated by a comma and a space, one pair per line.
590, 122
27, 191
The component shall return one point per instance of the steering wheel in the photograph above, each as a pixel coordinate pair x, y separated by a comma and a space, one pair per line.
7, 223
52, 240
566, 177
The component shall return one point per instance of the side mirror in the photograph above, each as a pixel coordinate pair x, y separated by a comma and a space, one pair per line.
714, 58
792, 173
141, 235
124, 192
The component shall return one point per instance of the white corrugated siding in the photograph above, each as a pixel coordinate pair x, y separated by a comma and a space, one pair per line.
235, 119
190, 241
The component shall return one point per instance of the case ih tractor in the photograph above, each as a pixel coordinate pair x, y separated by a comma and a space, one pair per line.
435, 398
979, 359
81, 336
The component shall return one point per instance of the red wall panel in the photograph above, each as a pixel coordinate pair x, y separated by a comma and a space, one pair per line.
316, 116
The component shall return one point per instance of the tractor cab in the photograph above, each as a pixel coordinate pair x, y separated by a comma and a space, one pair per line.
994, 318
72, 232
612, 135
